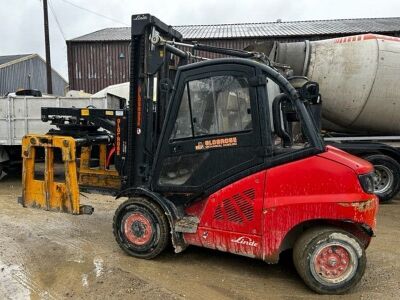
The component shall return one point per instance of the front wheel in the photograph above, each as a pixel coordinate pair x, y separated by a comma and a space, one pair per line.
141, 228
329, 260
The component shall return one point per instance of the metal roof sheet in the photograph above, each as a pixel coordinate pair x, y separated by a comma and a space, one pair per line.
107, 34
6, 59
265, 29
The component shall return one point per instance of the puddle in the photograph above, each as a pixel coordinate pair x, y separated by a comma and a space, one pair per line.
78, 258
14, 282
98, 264
98, 271
85, 281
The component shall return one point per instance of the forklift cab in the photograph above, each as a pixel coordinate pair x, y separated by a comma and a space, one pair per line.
219, 127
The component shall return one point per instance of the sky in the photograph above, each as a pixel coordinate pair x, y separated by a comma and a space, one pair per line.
21, 27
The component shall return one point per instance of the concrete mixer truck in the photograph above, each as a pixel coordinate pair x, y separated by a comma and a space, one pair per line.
359, 81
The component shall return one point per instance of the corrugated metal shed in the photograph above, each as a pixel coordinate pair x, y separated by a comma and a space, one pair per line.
265, 29
93, 66
101, 58
27, 71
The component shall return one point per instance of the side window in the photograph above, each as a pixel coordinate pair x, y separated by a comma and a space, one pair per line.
204, 114
233, 111
219, 104
183, 126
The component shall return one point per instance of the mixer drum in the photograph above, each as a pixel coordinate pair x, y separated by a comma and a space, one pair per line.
359, 78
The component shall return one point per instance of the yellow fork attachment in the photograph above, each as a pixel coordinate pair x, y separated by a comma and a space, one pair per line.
50, 191
44, 191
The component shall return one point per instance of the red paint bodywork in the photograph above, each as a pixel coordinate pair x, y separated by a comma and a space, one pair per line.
253, 216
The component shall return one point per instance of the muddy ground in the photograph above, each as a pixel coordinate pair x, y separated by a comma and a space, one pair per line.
59, 256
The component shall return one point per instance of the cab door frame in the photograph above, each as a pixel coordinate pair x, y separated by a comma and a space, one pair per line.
256, 140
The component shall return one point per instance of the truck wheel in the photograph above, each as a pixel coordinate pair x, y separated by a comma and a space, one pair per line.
329, 260
141, 228
386, 176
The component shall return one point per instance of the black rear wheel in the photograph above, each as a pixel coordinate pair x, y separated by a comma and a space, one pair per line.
141, 228
386, 176
329, 260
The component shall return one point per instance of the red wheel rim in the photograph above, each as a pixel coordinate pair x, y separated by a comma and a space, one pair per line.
333, 263
138, 229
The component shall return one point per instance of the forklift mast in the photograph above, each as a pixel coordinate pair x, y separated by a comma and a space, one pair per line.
146, 107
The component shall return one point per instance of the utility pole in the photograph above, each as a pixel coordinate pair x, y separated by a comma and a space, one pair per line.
47, 45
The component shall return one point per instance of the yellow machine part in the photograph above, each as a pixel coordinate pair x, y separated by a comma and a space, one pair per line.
45, 192
98, 177
50, 191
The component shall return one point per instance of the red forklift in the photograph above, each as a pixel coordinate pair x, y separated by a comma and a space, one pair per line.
220, 153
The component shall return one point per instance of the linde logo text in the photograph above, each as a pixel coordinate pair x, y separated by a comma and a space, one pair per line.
140, 17
243, 240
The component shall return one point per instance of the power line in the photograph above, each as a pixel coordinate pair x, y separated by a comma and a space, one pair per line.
55, 17
93, 12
